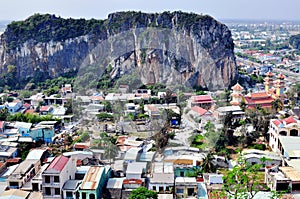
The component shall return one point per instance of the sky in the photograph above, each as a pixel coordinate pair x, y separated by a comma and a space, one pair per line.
99, 9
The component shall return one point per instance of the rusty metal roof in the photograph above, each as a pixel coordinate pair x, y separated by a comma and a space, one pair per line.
92, 178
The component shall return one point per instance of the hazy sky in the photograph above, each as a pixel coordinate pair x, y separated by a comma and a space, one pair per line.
99, 9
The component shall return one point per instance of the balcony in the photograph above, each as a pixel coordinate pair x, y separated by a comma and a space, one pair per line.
51, 184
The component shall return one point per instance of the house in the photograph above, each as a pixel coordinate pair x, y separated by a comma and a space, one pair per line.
37, 180
288, 127
131, 108
38, 154
132, 154
294, 175
93, 183
44, 110
162, 179
235, 111
57, 173
58, 111
200, 113
114, 188
203, 101
53, 99
44, 133
23, 127
7, 152
185, 187
70, 189
254, 156
35, 100
24, 172
152, 111
97, 99
66, 89
136, 170
14, 107
276, 180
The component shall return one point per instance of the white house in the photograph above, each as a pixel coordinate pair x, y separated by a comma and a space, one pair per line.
284, 128
13, 107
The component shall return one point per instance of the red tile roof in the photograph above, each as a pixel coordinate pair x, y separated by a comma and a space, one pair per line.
199, 110
44, 108
133, 181
30, 111
58, 163
26, 105
276, 122
289, 120
80, 146
97, 98
13, 160
200, 98
259, 95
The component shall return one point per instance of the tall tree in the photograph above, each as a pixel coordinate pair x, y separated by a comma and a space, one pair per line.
242, 181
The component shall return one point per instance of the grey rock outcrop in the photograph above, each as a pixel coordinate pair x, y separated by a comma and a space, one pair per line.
170, 48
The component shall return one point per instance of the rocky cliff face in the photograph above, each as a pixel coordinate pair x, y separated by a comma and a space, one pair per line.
171, 48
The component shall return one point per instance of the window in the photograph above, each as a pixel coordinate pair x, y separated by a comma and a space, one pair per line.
48, 191
69, 194
92, 196
181, 173
57, 191
56, 178
83, 195
47, 179
161, 189
191, 191
180, 191
154, 188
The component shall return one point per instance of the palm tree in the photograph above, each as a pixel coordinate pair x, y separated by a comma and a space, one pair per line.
277, 105
111, 151
207, 164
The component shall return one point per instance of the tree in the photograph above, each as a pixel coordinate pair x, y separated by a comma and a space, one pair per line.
143, 193
111, 151
3, 114
207, 164
277, 105
242, 182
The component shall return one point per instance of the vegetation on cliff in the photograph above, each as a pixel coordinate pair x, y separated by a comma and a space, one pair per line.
47, 27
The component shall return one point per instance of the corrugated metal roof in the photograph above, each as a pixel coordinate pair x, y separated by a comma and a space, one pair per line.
92, 178
35, 154
71, 184
115, 183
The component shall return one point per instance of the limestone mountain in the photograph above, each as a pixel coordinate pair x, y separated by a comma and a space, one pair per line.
169, 47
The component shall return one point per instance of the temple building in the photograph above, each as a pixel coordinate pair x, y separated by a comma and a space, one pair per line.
236, 95
273, 90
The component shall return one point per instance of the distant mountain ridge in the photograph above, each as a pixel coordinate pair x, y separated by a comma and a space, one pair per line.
49, 46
